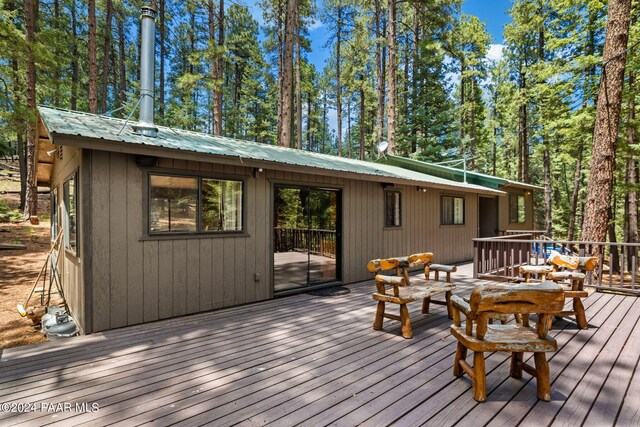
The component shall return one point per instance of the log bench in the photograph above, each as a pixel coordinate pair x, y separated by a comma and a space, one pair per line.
402, 288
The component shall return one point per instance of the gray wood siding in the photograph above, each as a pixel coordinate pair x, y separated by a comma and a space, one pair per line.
366, 236
139, 279
70, 265
503, 212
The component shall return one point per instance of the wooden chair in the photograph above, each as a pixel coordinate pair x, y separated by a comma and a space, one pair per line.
479, 336
570, 272
402, 288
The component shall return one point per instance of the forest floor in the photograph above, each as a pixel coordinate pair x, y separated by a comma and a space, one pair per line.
19, 268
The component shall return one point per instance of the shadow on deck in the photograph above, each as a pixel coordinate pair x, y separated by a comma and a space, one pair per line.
316, 361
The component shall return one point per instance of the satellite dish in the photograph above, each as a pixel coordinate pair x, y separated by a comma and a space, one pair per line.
382, 147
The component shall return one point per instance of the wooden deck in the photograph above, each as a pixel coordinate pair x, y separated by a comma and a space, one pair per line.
316, 361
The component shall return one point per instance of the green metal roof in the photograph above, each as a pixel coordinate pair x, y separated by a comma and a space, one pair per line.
455, 174
95, 128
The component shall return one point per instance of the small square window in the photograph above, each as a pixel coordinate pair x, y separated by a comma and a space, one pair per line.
517, 211
173, 203
452, 212
393, 209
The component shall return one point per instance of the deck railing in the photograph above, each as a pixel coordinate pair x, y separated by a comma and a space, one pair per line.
318, 242
499, 258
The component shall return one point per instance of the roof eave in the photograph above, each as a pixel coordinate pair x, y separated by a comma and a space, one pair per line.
140, 149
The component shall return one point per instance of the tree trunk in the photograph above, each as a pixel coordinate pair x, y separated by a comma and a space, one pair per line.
309, 121
93, 64
349, 126
599, 187
463, 108
219, 68
212, 58
614, 255
122, 70
523, 138
631, 182
548, 225
577, 179
104, 84
19, 123
362, 113
474, 141
280, 53
338, 86
287, 76
391, 78
379, 76
414, 82
74, 58
31, 193
298, 84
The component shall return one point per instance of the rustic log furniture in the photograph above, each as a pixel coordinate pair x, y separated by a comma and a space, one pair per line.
404, 288
479, 336
572, 282
570, 272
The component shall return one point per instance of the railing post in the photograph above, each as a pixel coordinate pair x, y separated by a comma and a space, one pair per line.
475, 259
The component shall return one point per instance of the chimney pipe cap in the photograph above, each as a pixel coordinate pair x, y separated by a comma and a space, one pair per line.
148, 11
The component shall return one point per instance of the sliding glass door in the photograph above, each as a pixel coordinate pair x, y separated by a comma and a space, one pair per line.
306, 236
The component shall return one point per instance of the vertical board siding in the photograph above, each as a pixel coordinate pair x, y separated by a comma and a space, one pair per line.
205, 277
135, 251
118, 240
165, 279
151, 268
193, 276
101, 184
179, 277
139, 279
70, 266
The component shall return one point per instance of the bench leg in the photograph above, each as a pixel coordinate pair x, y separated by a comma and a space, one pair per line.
447, 298
377, 322
581, 317
516, 365
405, 321
479, 377
425, 305
542, 376
461, 354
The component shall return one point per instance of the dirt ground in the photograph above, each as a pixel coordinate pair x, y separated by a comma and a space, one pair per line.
18, 270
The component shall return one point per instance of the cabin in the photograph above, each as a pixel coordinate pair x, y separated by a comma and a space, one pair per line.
160, 222
497, 215
159, 227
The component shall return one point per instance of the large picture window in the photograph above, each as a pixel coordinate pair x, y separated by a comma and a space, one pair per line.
393, 209
452, 212
185, 204
517, 212
70, 224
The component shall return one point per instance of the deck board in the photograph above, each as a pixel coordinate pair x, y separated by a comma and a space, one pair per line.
308, 360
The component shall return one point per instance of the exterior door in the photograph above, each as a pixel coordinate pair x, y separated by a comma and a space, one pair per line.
306, 237
488, 217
